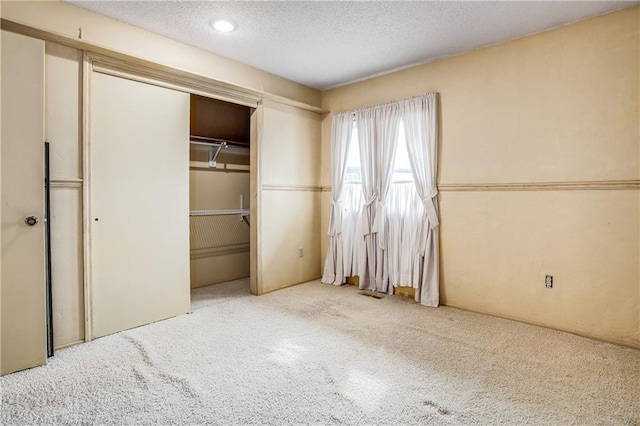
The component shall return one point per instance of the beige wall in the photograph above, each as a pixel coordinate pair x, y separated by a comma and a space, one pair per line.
65, 19
218, 190
559, 106
63, 131
289, 172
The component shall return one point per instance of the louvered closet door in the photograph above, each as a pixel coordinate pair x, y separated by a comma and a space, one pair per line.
139, 204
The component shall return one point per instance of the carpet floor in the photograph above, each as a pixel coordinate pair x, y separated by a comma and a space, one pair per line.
319, 354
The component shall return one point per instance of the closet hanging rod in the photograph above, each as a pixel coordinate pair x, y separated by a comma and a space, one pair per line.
216, 148
211, 144
209, 141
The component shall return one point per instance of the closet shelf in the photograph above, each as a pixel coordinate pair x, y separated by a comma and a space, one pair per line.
241, 212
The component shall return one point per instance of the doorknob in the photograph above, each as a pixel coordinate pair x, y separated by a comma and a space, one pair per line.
31, 220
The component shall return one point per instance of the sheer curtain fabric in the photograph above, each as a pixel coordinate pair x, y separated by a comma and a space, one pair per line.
342, 125
387, 118
404, 216
383, 231
365, 122
420, 121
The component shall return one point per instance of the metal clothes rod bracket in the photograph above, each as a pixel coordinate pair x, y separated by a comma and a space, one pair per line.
229, 147
213, 153
214, 150
243, 216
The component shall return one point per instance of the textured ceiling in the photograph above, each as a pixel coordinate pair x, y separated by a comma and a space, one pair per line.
326, 44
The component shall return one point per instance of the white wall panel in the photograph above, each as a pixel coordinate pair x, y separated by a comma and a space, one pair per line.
63, 132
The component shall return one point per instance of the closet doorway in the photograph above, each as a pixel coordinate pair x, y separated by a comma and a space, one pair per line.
219, 192
142, 159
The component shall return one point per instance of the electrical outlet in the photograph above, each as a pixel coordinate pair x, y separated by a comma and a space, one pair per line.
300, 252
548, 281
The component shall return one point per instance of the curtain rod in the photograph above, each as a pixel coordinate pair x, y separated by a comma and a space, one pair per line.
385, 104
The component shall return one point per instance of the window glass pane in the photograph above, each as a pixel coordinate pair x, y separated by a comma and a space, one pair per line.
353, 158
402, 167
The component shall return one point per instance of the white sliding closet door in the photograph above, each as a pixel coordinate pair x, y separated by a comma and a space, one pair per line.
139, 153
23, 330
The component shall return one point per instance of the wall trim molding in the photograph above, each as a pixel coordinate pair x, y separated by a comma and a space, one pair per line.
146, 74
277, 187
114, 63
633, 345
633, 184
66, 183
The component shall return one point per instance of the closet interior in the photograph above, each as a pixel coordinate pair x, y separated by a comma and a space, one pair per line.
219, 217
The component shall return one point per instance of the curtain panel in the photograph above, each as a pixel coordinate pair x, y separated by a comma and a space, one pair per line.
342, 125
404, 216
366, 124
420, 123
386, 121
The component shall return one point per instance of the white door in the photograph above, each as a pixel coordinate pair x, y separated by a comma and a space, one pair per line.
23, 320
139, 192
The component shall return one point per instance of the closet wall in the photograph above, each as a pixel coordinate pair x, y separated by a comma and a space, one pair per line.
288, 193
219, 244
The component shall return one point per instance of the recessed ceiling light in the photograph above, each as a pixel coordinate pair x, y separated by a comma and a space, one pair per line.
223, 26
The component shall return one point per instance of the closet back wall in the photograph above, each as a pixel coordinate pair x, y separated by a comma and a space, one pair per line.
211, 189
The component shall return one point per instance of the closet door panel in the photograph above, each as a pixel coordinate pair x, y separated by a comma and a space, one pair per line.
23, 329
139, 204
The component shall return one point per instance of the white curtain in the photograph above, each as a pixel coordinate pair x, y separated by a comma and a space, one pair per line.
352, 240
342, 126
420, 121
386, 232
365, 121
404, 215
387, 120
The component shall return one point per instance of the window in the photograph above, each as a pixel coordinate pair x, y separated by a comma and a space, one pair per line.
389, 239
403, 210
401, 167
352, 174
